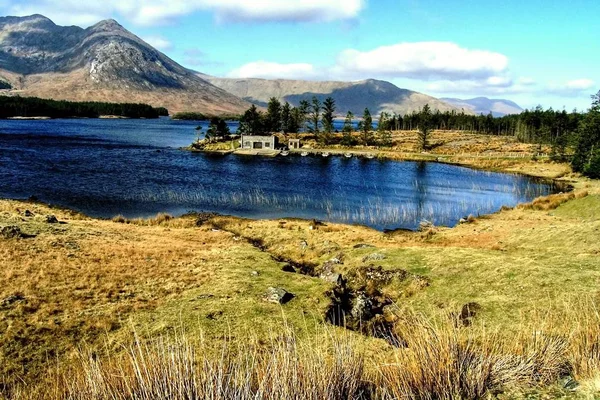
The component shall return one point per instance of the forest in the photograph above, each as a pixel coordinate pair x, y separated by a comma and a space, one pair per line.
29, 107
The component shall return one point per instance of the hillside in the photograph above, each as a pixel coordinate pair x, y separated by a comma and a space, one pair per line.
104, 62
483, 105
376, 95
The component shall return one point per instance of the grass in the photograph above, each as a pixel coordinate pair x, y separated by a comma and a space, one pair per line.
88, 308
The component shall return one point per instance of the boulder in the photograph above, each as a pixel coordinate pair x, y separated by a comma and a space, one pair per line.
51, 219
363, 246
277, 295
28, 214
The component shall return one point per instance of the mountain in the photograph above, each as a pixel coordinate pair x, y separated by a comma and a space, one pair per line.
483, 105
376, 95
104, 62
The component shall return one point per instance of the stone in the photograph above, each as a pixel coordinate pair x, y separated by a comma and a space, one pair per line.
51, 219
363, 246
28, 214
277, 295
11, 232
328, 273
254, 273
374, 257
362, 307
426, 225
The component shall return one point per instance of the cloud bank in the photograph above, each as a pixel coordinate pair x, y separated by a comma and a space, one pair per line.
157, 12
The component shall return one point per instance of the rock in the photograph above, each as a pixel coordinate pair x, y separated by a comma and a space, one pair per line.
28, 214
362, 307
277, 295
303, 244
426, 225
11, 232
374, 257
288, 268
254, 273
51, 219
328, 273
462, 221
363, 246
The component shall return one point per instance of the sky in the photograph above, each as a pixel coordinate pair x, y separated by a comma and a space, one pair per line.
534, 52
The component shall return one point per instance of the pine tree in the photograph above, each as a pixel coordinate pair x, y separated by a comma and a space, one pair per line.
315, 115
273, 117
366, 128
425, 126
384, 135
587, 154
327, 120
347, 138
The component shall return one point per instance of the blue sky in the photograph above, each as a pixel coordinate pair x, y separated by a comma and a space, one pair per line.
530, 51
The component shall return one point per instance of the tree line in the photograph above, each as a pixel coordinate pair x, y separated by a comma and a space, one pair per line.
572, 135
28, 107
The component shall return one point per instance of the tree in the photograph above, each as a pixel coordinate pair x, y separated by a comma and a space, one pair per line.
251, 123
347, 138
366, 128
273, 117
587, 153
425, 126
315, 115
384, 134
218, 128
327, 120
287, 123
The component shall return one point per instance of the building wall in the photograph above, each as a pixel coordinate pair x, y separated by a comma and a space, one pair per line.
259, 142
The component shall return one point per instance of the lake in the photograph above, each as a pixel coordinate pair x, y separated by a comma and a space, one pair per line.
134, 168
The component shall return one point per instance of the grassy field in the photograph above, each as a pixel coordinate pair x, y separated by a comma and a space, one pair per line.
502, 306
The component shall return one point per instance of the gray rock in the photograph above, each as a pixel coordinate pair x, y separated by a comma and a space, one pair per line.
374, 257
277, 295
363, 246
328, 273
362, 308
425, 225
11, 232
254, 273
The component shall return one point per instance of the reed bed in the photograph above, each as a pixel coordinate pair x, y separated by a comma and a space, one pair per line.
439, 360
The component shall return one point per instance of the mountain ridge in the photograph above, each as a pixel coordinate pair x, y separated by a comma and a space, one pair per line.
377, 95
484, 105
102, 62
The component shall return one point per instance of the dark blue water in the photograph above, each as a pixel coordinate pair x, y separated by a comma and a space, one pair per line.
135, 168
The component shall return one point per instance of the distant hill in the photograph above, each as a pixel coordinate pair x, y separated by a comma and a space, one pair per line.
376, 95
104, 62
483, 105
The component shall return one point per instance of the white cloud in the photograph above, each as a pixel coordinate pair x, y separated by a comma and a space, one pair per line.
271, 70
422, 60
153, 12
158, 42
572, 88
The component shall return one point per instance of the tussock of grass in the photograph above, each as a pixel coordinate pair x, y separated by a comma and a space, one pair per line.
172, 368
552, 202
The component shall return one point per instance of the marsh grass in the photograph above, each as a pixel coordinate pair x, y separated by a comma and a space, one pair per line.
440, 360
